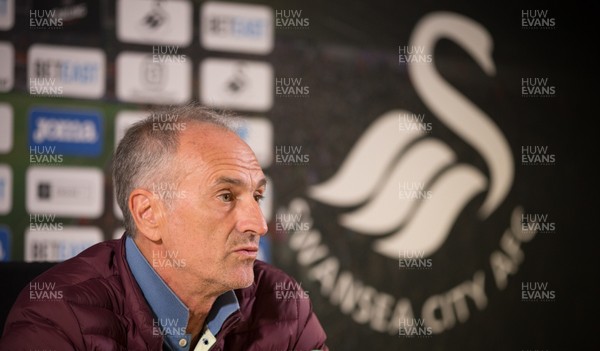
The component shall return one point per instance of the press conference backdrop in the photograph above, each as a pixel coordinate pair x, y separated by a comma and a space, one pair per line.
424, 158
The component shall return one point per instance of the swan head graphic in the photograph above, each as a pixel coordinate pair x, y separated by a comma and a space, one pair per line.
384, 158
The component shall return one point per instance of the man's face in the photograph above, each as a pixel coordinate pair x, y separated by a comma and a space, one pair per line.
214, 223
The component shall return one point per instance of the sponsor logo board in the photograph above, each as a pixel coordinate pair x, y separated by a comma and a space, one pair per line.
66, 132
237, 84
236, 27
143, 79
54, 70
65, 191
59, 245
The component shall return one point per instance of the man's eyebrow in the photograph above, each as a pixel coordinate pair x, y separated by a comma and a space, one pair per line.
238, 182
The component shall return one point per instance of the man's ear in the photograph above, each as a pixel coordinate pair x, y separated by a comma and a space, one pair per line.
147, 212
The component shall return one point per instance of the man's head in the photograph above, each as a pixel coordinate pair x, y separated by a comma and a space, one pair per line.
189, 187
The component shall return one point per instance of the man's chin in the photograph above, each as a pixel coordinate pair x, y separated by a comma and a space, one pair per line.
244, 277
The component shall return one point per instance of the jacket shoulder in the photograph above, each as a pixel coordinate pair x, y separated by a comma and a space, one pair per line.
75, 298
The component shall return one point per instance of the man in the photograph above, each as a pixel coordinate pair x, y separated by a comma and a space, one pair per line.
184, 277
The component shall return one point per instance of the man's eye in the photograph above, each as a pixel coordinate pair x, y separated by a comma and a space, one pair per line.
227, 197
258, 197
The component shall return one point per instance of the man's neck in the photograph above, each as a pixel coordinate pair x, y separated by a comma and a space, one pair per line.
198, 297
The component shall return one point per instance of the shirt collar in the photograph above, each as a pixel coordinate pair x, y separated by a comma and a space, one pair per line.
170, 313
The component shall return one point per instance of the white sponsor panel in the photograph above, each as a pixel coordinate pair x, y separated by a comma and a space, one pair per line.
66, 70
236, 84
65, 191
124, 120
5, 189
6, 128
236, 27
7, 14
143, 79
258, 134
59, 245
7, 66
155, 22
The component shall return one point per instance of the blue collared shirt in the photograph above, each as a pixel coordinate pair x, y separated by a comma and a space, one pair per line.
170, 313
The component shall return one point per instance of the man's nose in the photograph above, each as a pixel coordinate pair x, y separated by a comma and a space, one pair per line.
251, 219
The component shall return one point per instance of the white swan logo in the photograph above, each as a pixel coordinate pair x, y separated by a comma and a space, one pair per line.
370, 175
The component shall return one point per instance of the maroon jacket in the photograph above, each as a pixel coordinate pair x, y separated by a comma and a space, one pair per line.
92, 302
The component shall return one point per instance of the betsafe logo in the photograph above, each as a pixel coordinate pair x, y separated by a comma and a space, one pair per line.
413, 224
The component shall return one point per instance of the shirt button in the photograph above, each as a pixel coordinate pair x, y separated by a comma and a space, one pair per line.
182, 342
205, 341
